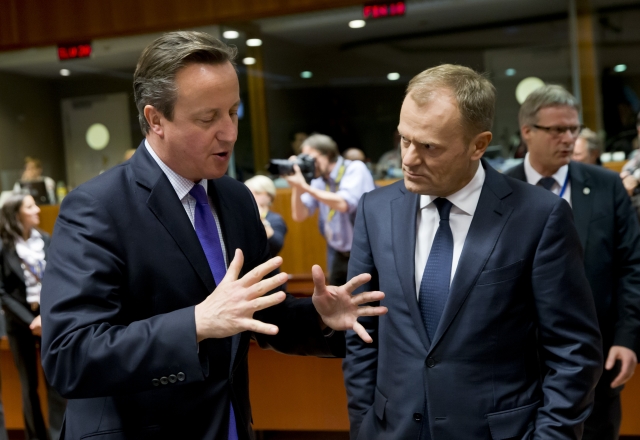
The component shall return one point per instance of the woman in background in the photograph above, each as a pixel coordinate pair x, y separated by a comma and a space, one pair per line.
264, 191
22, 261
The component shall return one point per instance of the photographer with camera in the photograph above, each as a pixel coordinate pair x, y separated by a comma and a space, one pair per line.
335, 190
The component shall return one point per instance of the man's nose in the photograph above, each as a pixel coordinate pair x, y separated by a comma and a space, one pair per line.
410, 158
228, 131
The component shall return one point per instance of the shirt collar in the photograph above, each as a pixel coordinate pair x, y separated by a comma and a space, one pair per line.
533, 177
466, 199
180, 184
336, 169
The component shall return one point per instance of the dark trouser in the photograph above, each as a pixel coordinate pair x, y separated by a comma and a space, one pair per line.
604, 421
338, 269
24, 348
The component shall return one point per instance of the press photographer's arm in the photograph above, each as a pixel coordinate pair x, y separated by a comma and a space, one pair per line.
299, 186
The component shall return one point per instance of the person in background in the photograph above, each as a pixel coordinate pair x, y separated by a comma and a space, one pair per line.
630, 173
264, 191
587, 148
354, 154
22, 262
3, 429
609, 234
390, 163
336, 190
297, 138
33, 173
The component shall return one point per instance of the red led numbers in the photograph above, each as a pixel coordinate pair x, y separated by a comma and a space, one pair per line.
73, 51
386, 9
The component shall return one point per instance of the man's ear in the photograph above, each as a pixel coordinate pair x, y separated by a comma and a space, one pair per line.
525, 133
155, 120
480, 144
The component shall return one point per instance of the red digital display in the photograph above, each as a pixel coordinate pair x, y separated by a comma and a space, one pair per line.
73, 51
385, 9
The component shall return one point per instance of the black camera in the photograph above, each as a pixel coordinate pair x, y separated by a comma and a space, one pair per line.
284, 167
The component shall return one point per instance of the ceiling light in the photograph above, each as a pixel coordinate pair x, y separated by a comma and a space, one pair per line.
248, 61
510, 72
254, 42
393, 76
620, 68
230, 35
65, 72
306, 74
357, 24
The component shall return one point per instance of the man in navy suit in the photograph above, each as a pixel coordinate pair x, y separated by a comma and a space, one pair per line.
608, 229
481, 274
156, 278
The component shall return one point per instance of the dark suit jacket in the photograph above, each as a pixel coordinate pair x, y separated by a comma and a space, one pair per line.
279, 231
13, 292
512, 302
608, 229
125, 272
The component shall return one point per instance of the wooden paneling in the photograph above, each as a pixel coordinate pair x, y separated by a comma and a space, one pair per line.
27, 23
258, 111
296, 393
304, 246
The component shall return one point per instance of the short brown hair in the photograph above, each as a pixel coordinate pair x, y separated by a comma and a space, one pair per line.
154, 78
324, 144
34, 160
546, 96
474, 94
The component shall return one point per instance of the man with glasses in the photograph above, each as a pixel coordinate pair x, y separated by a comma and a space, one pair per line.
609, 233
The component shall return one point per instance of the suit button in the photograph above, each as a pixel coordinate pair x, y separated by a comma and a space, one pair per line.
181, 376
172, 378
431, 362
164, 380
155, 382
417, 417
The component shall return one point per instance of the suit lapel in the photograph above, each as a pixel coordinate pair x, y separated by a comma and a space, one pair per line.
581, 197
404, 210
229, 221
168, 209
488, 221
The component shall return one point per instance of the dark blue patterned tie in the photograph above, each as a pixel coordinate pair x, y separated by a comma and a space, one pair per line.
547, 182
207, 232
434, 287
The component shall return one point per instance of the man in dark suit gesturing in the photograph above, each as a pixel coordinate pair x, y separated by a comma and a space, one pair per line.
608, 229
145, 330
481, 275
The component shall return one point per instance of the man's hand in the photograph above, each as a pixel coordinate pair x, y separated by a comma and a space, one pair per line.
229, 309
628, 362
340, 310
36, 326
629, 182
296, 180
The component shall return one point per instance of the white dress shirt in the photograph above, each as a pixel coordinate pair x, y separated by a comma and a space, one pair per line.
182, 186
464, 206
560, 177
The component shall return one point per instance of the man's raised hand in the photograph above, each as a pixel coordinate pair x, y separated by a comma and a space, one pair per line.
229, 309
340, 310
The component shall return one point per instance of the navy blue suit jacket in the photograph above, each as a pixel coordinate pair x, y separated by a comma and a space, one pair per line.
609, 233
125, 271
517, 352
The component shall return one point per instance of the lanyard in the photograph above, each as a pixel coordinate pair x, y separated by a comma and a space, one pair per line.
341, 170
564, 185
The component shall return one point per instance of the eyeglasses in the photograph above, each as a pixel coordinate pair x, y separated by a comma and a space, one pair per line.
559, 130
